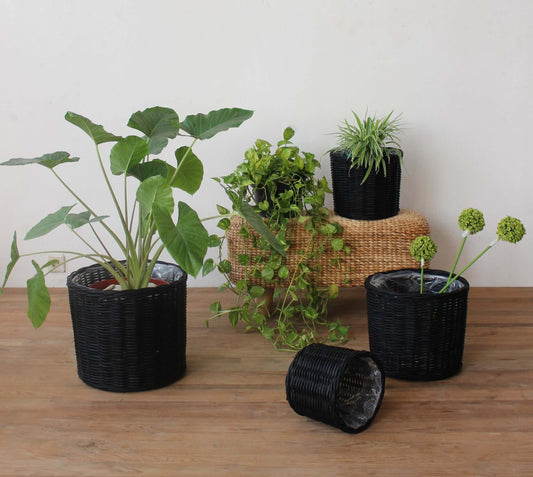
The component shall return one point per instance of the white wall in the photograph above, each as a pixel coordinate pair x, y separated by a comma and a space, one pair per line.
459, 71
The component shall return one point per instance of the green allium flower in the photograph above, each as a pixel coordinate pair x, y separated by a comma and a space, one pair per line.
471, 220
423, 248
510, 229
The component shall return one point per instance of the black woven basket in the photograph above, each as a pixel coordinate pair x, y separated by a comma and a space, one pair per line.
132, 340
339, 386
377, 198
417, 336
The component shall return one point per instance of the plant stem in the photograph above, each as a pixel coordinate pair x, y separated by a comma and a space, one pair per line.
82, 202
457, 257
421, 276
489, 246
130, 250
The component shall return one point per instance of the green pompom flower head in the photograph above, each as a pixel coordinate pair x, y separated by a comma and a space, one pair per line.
471, 221
423, 248
510, 229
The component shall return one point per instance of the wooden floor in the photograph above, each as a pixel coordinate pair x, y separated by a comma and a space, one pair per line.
229, 416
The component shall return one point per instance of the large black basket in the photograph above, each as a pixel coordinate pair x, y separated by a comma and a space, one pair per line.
339, 386
132, 340
377, 198
416, 336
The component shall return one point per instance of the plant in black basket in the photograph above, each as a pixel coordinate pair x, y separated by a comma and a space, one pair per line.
277, 288
417, 318
366, 167
142, 196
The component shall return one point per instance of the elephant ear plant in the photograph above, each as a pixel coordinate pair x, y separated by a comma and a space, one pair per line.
147, 226
471, 221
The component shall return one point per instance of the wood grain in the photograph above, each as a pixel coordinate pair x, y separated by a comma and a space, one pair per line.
229, 416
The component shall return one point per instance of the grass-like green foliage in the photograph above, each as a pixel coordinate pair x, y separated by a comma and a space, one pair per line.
471, 221
367, 142
279, 182
143, 201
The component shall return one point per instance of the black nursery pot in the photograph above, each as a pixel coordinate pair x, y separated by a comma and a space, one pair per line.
338, 386
377, 198
260, 194
417, 336
131, 340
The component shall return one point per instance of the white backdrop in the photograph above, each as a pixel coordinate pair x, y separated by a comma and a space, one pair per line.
459, 71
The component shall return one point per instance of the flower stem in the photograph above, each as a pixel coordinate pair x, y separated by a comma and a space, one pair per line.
465, 236
489, 246
421, 276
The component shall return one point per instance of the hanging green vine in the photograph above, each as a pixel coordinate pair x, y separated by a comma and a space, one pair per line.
278, 294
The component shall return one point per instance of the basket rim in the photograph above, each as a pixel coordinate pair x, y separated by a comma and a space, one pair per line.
73, 285
341, 154
415, 294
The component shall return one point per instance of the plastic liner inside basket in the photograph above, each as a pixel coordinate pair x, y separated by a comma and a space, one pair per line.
358, 400
408, 281
167, 271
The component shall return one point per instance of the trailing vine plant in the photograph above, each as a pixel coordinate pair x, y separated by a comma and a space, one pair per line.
277, 292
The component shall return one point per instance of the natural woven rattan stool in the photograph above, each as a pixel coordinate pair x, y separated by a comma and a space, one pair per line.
339, 386
375, 245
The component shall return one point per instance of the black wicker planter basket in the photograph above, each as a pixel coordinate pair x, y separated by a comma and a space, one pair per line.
377, 198
339, 386
416, 336
132, 340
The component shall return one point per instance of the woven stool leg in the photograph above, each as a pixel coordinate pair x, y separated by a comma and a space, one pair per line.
268, 297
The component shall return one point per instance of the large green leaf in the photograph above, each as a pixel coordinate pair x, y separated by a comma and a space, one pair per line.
97, 132
143, 171
257, 223
49, 223
156, 121
205, 126
47, 160
155, 190
158, 124
187, 241
77, 220
190, 171
14, 258
156, 144
38, 297
127, 153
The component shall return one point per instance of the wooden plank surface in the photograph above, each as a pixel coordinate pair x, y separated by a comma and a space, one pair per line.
229, 416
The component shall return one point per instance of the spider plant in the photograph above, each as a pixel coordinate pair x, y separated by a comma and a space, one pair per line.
368, 142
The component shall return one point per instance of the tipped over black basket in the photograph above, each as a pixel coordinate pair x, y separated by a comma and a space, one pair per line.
132, 340
417, 336
377, 198
338, 386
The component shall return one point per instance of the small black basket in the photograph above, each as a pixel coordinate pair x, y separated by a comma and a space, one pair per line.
377, 198
131, 340
415, 336
339, 386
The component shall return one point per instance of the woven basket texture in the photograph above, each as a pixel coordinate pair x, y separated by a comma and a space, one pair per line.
132, 340
417, 336
377, 198
338, 386
375, 246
